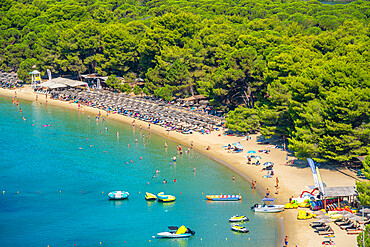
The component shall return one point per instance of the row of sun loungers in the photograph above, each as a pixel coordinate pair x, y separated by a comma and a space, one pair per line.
155, 112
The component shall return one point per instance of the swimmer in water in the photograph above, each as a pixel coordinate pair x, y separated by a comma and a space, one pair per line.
194, 169
24, 118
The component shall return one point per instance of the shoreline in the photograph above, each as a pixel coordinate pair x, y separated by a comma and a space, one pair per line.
293, 179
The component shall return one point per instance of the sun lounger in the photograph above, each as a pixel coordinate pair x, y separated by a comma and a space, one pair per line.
347, 226
316, 224
323, 228
354, 231
329, 231
345, 222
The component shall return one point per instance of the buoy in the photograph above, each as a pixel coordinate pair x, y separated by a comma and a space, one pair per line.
17, 192
3, 191
181, 193
38, 191
150, 240
202, 193
249, 238
81, 191
139, 192
60, 191
102, 192
124, 241
100, 243
221, 193
200, 239
226, 238
239, 194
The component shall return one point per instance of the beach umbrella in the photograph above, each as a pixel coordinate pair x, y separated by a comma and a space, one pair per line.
365, 210
251, 152
325, 221
323, 217
268, 164
320, 213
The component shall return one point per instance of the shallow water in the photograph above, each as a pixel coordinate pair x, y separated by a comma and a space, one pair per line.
56, 193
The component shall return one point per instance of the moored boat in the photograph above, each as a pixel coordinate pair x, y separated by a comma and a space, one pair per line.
176, 232
165, 198
150, 196
224, 197
238, 228
238, 218
264, 208
118, 195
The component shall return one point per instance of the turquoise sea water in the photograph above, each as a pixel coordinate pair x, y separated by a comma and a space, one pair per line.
56, 193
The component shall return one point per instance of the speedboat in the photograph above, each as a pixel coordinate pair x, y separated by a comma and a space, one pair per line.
237, 218
118, 195
238, 228
150, 196
176, 232
165, 198
264, 208
224, 197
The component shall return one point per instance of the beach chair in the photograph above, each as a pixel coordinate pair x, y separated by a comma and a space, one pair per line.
322, 228
328, 231
344, 227
344, 222
316, 224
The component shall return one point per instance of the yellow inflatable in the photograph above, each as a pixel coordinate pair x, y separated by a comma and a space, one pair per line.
303, 215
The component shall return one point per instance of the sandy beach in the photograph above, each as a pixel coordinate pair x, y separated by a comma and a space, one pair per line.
293, 178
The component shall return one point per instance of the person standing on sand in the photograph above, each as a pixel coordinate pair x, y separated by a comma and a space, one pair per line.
286, 241
277, 182
267, 193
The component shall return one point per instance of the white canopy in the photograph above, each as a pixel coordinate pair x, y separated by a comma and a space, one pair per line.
61, 82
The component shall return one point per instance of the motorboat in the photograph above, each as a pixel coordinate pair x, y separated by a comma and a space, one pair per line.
238, 218
165, 198
224, 197
118, 195
264, 208
176, 232
150, 196
238, 228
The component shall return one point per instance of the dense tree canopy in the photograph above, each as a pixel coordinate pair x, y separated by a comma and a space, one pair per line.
293, 68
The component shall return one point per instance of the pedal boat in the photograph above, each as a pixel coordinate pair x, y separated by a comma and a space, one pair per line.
165, 198
150, 196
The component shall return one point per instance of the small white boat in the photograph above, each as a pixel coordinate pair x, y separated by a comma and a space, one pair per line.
176, 232
264, 208
238, 228
118, 195
238, 218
